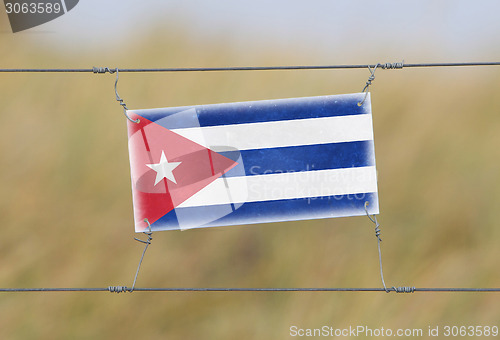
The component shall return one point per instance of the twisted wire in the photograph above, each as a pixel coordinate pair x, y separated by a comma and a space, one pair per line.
102, 70
404, 289
118, 99
368, 83
147, 242
118, 289
379, 239
392, 66
377, 234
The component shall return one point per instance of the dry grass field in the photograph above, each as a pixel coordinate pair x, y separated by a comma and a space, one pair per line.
66, 209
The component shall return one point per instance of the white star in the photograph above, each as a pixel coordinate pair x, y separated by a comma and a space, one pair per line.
164, 169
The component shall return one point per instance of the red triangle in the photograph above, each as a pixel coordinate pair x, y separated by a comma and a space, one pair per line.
198, 168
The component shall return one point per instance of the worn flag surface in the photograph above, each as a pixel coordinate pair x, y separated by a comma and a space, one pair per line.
252, 162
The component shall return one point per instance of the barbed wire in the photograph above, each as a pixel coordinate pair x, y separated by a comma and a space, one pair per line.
398, 65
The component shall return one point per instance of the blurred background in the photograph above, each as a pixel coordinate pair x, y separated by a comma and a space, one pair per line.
65, 198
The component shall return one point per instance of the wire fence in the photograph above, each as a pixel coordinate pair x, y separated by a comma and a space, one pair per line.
397, 65
123, 289
371, 67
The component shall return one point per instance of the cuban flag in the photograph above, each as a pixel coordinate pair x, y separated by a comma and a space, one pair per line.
252, 162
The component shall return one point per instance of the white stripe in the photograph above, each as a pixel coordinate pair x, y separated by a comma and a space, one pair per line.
283, 133
286, 186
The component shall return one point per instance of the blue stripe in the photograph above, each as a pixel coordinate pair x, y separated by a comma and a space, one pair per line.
258, 111
302, 158
276, 211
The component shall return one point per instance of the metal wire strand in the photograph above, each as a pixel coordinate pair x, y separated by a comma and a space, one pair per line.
120, 289
250, 68
147, 243
118, 99
377, 234
368, 83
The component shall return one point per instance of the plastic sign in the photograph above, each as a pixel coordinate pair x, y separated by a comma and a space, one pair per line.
252, 162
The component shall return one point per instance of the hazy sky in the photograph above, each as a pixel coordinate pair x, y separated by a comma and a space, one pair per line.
446, 29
